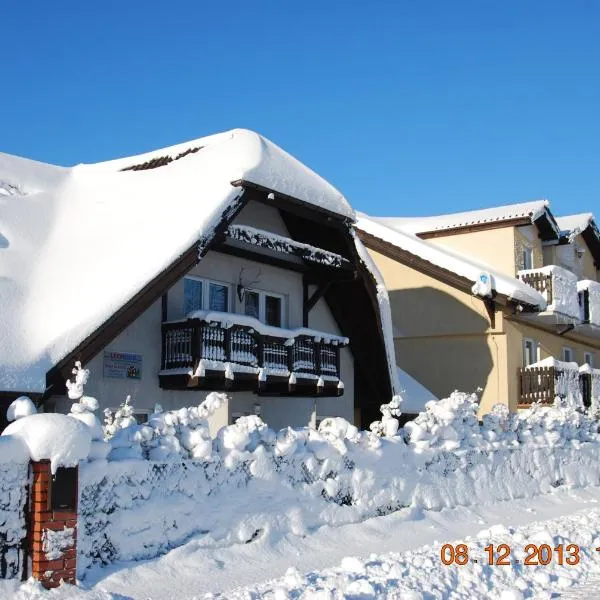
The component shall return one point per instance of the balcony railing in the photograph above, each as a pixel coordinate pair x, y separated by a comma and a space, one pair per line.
550, 379
558, 286
216, 342
589, 301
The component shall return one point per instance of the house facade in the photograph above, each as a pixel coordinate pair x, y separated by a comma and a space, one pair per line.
255, 287
500, 301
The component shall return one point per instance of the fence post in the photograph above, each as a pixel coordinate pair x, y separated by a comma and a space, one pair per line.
52, 531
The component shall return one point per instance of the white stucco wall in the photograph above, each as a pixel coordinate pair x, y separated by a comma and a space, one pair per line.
143, 337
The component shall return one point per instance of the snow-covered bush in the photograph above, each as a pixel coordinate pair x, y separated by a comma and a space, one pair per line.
19, 408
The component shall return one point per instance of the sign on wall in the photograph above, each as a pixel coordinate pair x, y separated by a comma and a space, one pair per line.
122, 365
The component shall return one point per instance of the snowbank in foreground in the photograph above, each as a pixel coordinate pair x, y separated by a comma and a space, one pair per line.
420, 574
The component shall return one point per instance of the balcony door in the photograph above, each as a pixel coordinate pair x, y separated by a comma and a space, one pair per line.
267, 307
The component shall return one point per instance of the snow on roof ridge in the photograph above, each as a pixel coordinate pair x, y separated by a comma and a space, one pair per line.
93, 220
533, 209
452, 261
577, 222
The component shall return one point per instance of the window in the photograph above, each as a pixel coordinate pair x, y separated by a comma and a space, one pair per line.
531, 352
567, 354
202, 294
264, 306
273, 310
588, 359
527, 258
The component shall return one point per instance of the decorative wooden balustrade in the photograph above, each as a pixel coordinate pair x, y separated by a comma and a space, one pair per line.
541, 282
240, 357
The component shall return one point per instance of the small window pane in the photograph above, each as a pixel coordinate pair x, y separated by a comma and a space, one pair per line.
589, 359
273, 311
251, 304
530, 353
528, 258
192, 295
218, 297
567, 355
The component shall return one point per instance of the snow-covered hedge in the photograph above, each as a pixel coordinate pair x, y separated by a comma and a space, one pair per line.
255, 482
14, 470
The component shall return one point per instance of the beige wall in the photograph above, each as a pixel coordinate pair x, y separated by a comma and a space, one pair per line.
527, 237
143, 337
566, 256
443, 336
495, 247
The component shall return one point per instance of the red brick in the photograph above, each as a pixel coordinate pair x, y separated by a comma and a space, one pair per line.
40, 566
67, 575
50, 584
70, 563
40, 505
70, 553
65, 515
71, 522
41, 516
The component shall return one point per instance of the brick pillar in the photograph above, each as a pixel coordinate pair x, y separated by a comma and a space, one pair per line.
52, 547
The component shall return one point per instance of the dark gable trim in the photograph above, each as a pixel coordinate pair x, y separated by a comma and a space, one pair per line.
354, 306
425, 235
591, 236
124, 316
312, 212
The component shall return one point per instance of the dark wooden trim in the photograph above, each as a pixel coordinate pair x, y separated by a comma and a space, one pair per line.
164, 306
304, 302
259, 257
292, 205
141, 301
318, 294
421, 265
515, 222
490, 307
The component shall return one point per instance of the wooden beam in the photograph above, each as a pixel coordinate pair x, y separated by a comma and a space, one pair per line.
285, 245
318, 294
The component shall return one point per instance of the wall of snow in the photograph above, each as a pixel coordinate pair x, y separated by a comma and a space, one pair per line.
14, 474
257, 483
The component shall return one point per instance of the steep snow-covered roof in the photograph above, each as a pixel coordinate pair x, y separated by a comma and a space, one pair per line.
574, 223
77, 243
417, 225
452, 261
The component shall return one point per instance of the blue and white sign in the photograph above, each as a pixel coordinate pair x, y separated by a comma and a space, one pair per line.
122, 365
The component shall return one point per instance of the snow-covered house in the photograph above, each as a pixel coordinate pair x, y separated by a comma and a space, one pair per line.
218, 264
478, 297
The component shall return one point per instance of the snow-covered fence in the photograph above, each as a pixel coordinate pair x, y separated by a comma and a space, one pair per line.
255, 483
14, 476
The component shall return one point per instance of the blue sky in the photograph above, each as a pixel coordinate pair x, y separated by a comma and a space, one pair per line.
409, 108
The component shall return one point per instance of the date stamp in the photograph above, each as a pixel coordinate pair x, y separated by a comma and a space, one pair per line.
502, 555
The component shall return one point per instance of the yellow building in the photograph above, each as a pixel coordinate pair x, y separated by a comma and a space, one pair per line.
479, 296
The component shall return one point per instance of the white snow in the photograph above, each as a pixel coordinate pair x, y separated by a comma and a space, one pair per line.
385, 311
452, 261
414, 394
572, 225
19, 408
416, 225
593, 290
73, 234
564, 289
55, 543
397, 554
62, 440
227, 320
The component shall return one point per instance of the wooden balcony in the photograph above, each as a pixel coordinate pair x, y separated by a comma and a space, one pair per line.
541, 282
208, 354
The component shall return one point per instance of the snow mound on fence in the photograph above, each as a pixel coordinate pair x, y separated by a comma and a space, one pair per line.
19, 408
257, 483
62, 440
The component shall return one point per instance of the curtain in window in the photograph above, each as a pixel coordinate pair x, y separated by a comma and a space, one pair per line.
192, 294
218, 297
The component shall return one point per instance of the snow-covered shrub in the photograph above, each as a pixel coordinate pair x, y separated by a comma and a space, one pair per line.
388, 425
23, 406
